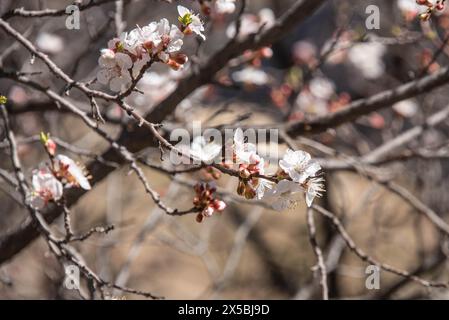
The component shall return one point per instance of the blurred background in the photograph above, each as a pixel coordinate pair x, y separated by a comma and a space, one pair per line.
248, 251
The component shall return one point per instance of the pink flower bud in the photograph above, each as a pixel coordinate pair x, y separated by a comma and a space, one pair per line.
219, 205
50, 145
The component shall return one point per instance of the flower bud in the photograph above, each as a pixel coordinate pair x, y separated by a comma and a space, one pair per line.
180, 58
51, 147
244, 173
199, 217
174, 65
424, 16
250, 193
241, 188
219, 205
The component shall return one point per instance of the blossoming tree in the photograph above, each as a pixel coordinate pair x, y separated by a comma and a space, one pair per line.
348, 102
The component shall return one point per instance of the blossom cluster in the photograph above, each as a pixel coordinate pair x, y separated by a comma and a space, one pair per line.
49, 181
298, 173
130, 54
206, 201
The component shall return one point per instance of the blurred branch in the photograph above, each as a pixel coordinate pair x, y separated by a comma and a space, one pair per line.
50, 12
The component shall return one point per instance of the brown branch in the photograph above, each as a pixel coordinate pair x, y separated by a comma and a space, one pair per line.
376, 102
21, 12
16, 239
318, 253
367, 258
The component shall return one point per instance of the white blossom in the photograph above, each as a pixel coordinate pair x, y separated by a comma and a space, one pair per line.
206, 151
50, 43
251, 75
266, 18
309, 103
406, 108
225, 6
193, 22
45, 188
70, 172
171, 39
322, 88
298, 165
367, 57
408, 6
114, 69
262, 187
283, 195
244, 151
251, 23
149, 37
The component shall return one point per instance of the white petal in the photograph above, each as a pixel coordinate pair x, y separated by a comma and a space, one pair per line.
280, 204
164, 26
163, 56
103, 76
175, 46
238, 136
124, 60
37, 202
312, 168
309, 198
183, 11
116, 84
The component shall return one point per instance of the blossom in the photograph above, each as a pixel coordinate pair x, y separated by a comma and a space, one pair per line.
409, 7
243, 151
114, 69
202, 149
251, 23
322, 88
49, 43
304, 52
251, 75
225, 6
310, 104
127, 42
314, 188
171, 43
46, 188
126, 56
262, 187
367, 57
70, 173
191, 22
171, 36
406, 108
283, 195
298, 165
